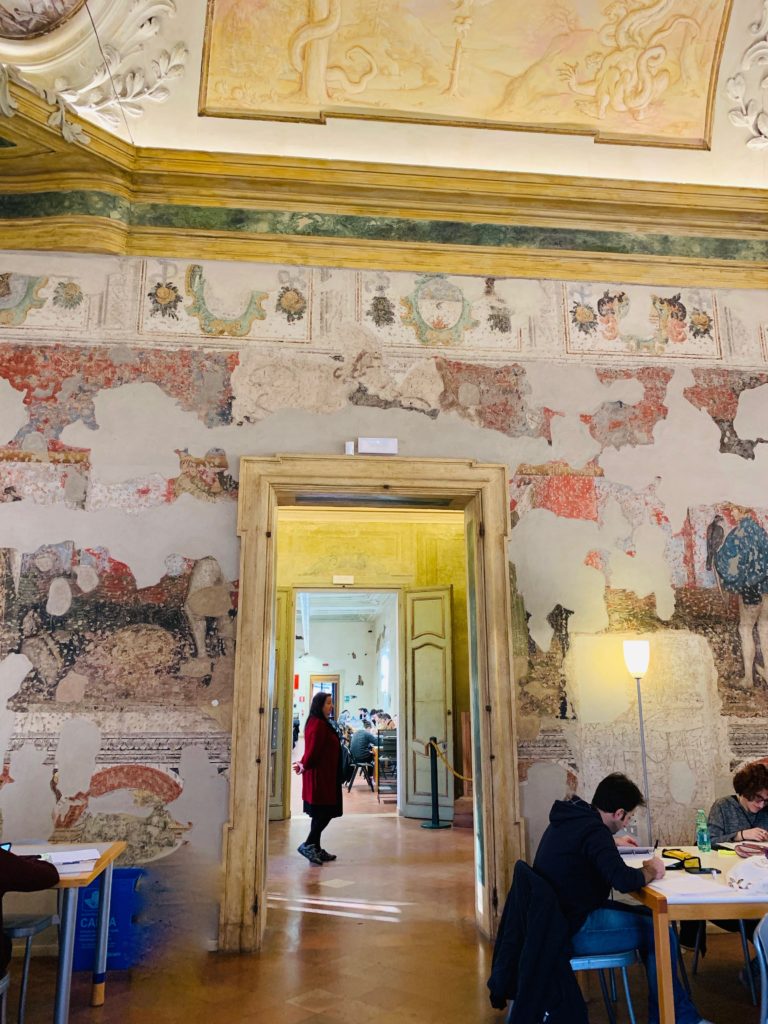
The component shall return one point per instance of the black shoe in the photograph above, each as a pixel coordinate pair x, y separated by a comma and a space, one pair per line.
325, 856
311, 853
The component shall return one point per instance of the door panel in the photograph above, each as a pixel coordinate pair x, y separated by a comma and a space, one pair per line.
281, 700
428, 700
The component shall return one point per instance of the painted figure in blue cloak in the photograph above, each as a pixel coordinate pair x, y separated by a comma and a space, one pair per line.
740, 560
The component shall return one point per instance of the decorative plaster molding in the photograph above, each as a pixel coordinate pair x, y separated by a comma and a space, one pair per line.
129, 74
750, 113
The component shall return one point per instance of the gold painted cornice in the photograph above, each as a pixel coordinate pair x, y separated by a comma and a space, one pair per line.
170, 178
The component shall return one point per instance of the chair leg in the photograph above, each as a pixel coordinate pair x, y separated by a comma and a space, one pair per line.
697, 947
352, 778
606, 997
24, 980
681, 962
630, 1007
612, 980
369, 778
747, 964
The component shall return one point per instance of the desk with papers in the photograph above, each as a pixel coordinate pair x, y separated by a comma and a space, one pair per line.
681, 896
78, 866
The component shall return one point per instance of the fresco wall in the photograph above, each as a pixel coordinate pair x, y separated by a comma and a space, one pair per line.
633, 422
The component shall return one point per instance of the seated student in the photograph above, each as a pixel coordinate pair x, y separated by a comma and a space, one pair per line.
577, 855
744, 815
362, 743
21, 874
740, 817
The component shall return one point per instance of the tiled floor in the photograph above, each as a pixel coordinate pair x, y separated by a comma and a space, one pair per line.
385, 935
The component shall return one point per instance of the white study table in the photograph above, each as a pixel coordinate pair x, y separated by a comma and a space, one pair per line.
681, 896
69, 885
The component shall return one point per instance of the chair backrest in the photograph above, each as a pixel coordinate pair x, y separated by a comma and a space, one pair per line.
760, 941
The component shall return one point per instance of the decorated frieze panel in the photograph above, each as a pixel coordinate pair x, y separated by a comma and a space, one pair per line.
226, 301
239, 306
615, 320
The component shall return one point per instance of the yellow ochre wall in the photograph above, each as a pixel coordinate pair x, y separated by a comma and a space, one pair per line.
383, 550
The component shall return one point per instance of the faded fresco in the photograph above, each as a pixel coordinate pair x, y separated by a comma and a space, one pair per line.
24, 19
642, 68
129, 390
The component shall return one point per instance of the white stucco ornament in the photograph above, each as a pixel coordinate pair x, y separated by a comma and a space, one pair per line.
743, 87
105, 76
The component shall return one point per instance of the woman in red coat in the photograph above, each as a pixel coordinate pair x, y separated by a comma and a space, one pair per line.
321, 768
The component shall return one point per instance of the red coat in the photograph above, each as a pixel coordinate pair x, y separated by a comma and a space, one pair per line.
321, 780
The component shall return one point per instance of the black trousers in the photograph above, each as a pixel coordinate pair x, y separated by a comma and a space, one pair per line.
319, 820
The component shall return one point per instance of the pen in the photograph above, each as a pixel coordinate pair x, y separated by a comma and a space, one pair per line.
655, 846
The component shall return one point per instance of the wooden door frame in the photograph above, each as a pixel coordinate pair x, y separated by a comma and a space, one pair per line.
266, 484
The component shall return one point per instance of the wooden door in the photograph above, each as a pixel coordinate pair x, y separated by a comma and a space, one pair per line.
281, 709
427, 707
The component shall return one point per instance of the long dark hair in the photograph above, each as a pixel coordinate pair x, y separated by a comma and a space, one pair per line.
316, 707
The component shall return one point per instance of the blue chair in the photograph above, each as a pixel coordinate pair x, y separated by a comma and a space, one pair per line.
25, 926
5, 981
607, 962
760, 939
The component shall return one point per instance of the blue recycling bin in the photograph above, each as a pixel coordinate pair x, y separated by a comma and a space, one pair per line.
123, 949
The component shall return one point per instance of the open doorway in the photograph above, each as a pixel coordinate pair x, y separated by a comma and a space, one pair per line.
269, 485
346, 644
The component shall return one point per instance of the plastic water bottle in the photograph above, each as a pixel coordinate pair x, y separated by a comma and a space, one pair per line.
702, 833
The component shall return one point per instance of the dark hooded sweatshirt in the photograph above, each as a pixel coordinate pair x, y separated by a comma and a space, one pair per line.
579, 859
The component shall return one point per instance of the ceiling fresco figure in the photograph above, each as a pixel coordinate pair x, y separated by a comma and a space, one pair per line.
635, 71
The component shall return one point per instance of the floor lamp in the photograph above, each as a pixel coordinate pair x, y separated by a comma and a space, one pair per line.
637, 654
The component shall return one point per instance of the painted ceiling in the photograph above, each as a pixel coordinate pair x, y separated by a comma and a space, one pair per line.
620, 70
653, 90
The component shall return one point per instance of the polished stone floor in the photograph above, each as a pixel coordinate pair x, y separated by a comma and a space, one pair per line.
384, 935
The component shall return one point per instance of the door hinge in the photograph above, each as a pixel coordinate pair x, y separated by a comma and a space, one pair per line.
481, 529
495, 899
268, 533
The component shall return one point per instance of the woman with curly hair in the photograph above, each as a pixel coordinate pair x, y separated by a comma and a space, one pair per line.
744, 815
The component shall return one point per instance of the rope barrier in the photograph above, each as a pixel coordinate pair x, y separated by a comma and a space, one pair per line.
444, 759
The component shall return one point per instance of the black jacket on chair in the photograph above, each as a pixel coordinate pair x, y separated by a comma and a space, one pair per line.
531, 957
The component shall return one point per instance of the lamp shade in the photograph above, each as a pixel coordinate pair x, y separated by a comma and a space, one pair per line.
637, 654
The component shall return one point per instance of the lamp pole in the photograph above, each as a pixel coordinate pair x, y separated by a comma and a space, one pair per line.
637, 654
645, 761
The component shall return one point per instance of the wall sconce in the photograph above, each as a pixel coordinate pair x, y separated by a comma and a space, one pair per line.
637, 655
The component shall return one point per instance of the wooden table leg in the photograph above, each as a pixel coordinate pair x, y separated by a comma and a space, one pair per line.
664, 966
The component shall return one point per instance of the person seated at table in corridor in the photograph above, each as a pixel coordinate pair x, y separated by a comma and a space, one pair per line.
362, 743
740, 817
743, 815
21, 874
577, 855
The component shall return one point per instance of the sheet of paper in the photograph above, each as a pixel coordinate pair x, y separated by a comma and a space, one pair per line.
63, 857
80, 867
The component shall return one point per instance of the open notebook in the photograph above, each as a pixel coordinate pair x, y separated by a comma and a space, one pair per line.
72, 862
